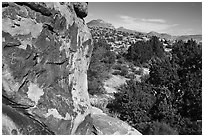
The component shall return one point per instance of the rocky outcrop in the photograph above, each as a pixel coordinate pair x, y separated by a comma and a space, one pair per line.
81, 9
46, 53
46, 50
17, 121
96, 110
106, 125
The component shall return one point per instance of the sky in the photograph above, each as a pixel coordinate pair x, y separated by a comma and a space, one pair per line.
175, 18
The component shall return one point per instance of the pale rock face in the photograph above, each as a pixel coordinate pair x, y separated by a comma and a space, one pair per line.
46, 53
106, 125
46, 50
9, 127
95, 110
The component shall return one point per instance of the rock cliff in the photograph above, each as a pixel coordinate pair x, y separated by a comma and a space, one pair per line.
46, 52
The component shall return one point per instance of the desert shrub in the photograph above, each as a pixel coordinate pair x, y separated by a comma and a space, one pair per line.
180, 103
163, 72
124, 71
120, 70
144, 78
138, 54
95, 87
141, 52
193, 127
130, 76
145, 65
108, 58
101, 63
171, 95
138, 72
117, 66
159, 128
118, 56
157, 47
189, 58
101, 104
132, 102
121, 60
116, 72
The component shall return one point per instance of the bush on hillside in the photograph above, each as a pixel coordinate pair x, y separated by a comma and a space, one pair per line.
159, 128
95, 87
171, 95
101, 63
117, 67
133, 102
120, 70
141, 52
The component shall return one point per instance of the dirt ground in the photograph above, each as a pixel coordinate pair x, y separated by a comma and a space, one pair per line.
115, 81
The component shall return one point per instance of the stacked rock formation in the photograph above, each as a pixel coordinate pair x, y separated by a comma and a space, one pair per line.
81, 9
46, 53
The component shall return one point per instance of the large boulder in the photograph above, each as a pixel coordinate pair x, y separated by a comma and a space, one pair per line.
17, 121
81, 9
46, 52
96, 110
106, 125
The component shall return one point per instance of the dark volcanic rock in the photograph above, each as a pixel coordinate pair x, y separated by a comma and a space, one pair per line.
81, 9
46, 53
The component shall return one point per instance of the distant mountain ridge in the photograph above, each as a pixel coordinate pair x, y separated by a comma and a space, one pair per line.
125, 30
160, 35
166, 36
130, 31
101, 23
198, 38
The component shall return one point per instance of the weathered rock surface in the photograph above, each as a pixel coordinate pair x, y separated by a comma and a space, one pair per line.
46, 53
46, 50
106, 125
95, 110
16, 121
81, 9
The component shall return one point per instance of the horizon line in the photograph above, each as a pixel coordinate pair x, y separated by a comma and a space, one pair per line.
142, 31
